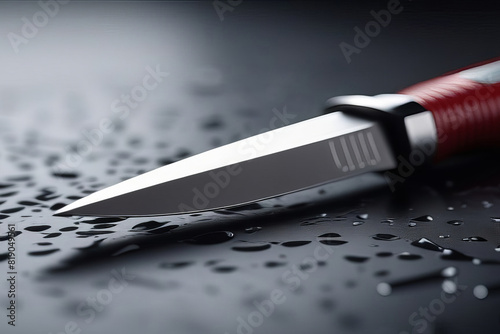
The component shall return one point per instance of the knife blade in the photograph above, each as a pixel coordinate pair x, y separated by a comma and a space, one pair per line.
357, 134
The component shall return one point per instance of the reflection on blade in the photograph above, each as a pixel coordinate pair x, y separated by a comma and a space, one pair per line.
302, 155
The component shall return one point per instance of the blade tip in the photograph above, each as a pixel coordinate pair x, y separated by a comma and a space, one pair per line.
64, 212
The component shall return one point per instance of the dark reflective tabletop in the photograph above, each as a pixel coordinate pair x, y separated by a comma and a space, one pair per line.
95, 93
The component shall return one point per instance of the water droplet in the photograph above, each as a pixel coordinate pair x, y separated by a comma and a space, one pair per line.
12, 210
495, 219
253, 229
384, 289
103, 226
333, 242
356, 259
412, 224
487, 204
389, 222
357, 223
385, 237
427, 244
8, 194
480, 291
37, 228
295, 243
211, 238
47, 195
65, 175
45, 252
384, 254
329, 235
224, 269
425, 218
176, 265
251, 247
409, 256
329, 239
52, 235
28, 203
449, 286
74, 198
497, 249
450, 208
362, 216
274, 264
444, 236
475, 238
449, 272
57, 206
455, 222
92, 233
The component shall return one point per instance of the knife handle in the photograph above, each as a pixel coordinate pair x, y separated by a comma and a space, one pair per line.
465, 105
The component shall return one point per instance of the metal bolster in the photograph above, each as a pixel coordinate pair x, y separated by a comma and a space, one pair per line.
408, 125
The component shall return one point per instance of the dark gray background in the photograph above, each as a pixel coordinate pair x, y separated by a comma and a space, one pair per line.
226, 77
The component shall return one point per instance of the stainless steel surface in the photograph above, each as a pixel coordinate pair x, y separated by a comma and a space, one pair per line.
291, 158
422, 132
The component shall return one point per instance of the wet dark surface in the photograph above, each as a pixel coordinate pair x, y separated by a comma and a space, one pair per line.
346, 257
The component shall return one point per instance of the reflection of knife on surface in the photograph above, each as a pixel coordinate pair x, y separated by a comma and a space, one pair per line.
428, 121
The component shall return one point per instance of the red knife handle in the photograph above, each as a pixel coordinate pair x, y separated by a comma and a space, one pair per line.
465, 105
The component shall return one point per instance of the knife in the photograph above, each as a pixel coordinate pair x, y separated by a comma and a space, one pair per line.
395, 133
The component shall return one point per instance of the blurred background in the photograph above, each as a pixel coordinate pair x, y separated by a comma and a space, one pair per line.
92, 93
